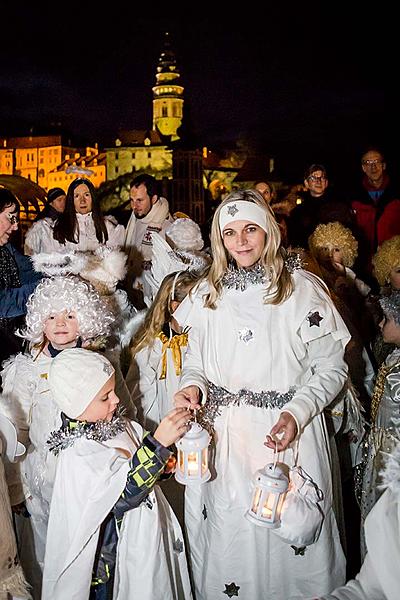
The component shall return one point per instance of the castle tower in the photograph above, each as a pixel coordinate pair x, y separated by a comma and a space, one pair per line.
167, 94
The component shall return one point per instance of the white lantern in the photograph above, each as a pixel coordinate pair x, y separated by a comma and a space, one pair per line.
192, 462
270, 487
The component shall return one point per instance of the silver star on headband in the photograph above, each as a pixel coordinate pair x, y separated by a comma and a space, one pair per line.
232, 210
108, 370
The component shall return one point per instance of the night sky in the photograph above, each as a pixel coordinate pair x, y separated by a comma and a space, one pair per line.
305, 82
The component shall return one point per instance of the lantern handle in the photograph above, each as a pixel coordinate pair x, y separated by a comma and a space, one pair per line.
276, 453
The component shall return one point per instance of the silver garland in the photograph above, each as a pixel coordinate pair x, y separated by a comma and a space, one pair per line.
218, 397
100, 431
293, 262
240, 279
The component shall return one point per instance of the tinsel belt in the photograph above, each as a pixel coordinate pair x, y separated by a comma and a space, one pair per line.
218, 397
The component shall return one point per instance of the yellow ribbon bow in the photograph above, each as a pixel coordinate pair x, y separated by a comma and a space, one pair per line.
174, 344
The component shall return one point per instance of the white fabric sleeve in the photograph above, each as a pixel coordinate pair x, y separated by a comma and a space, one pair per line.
364, 587
116, 233
327, 375
39, 238
193, 369
393, 381
142, 384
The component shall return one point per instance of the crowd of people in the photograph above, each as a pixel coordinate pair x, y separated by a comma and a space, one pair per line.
280, 339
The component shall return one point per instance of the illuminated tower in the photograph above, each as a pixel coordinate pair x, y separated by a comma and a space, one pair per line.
167, 94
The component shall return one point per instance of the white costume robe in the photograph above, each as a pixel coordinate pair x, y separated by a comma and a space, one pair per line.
151, 562
247, 344
26, 389
39, 237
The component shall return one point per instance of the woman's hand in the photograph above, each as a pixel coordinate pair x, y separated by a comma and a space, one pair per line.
173, 426
188, 397
282, 433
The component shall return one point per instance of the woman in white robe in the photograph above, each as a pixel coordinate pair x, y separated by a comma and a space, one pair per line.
81, 227
266, 354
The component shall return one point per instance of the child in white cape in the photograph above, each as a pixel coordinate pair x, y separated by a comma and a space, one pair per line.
110, 528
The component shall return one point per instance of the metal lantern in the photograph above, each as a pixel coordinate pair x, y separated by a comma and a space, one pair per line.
192, 463
271, 485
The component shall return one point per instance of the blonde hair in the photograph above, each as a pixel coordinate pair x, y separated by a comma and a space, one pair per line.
175, 286
272, 257
338, 235
386, 258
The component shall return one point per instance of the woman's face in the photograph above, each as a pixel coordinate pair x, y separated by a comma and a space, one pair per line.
82, 199
244, 241
8, 223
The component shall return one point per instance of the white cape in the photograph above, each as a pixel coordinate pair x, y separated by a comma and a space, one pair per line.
150, 557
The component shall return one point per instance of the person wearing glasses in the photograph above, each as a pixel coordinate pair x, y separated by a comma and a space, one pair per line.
317, 204
376, 205
17, 278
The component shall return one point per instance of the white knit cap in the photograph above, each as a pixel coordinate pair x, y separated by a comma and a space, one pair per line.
76, 375
242, 210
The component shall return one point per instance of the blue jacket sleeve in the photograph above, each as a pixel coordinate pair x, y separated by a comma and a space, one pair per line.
146, 467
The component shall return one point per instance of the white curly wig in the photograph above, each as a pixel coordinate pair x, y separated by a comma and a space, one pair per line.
56, 294
185, 234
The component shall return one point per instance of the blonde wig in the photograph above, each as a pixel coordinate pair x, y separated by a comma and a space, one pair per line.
53, 295
272, 257
337, 235
386, 259
175, 286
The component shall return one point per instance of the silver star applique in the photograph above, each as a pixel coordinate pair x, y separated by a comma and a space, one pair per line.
108, 370
232, 210
178, 546
231, 589
245, 335
314, 318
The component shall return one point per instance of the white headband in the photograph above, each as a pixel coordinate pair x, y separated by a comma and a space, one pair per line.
242, 210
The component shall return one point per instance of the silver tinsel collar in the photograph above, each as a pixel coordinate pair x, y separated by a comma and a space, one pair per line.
100, 431
240, 279
293, 262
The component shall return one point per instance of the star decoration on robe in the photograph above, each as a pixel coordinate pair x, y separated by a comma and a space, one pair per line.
299, 550
232, 210
314, 318
204, 512
178, 546
245, 335
231, 589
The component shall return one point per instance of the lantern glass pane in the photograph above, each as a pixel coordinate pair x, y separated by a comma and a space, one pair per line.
268, 508
204, 460
181, 460
193, 465
256, 500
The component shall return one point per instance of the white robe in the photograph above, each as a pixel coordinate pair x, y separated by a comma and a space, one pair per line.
247, 344
379, 577
39, 238
153, 396
151, 563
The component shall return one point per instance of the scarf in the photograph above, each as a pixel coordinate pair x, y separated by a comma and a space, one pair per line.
9, 276
153, 221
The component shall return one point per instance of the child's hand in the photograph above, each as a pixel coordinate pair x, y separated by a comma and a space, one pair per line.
188, 397
173, 426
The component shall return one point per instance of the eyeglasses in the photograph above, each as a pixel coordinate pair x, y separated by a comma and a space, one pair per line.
314, 178
12, 218
369, 163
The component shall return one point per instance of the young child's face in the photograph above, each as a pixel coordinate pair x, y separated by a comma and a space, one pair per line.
390, 330
103, 405
62, 328
394, 277
331, 252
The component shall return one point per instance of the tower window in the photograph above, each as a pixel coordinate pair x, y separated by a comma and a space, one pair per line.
164, 111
